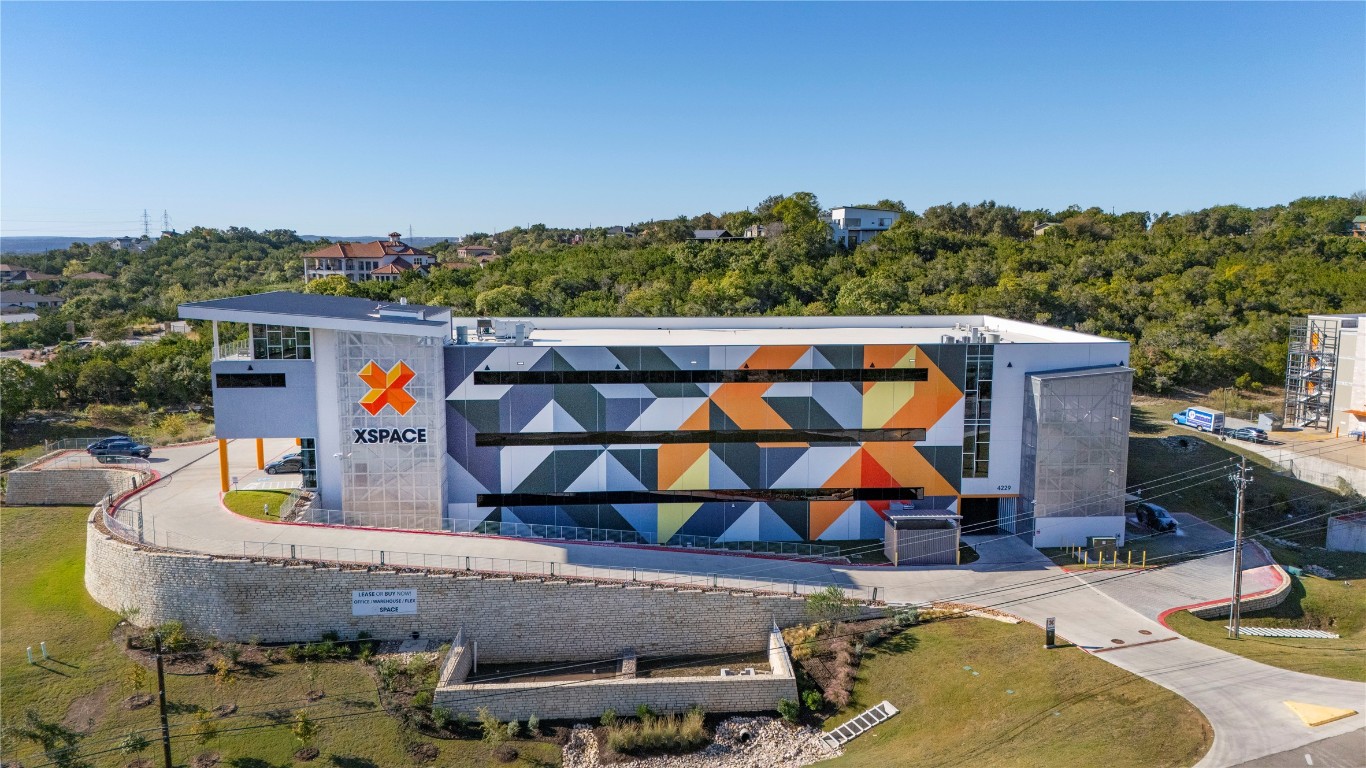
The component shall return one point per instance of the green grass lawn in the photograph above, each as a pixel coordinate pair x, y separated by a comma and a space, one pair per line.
42, 598
262, 505
1026, 706
1334, 606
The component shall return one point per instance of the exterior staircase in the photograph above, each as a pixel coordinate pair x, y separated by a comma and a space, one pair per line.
858, 725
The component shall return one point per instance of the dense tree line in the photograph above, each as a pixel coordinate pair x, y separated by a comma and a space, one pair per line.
1206, 297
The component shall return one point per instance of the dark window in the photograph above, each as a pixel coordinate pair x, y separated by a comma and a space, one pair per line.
666, 497
649, 437
706, 376
249, 380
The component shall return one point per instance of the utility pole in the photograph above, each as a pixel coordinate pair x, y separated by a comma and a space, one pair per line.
146, 224
1242, 478
161, 694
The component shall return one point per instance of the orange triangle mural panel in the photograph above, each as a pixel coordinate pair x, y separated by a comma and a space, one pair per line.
909, 468
824, 514
676, 459
776, 357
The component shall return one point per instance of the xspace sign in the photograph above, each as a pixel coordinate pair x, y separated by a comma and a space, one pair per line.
383, 602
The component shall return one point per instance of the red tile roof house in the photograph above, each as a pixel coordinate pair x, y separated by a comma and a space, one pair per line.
358, 262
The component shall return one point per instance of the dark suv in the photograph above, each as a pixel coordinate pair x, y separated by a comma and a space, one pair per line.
106, 450
1156, 517
286, 465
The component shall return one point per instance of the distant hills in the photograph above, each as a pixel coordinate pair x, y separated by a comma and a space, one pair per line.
42, 243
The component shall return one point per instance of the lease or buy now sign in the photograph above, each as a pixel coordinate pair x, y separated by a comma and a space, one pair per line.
383, 602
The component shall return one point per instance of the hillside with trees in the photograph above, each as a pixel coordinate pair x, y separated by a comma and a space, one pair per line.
1205, 297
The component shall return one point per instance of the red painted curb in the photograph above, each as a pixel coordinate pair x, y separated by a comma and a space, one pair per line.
1162, 617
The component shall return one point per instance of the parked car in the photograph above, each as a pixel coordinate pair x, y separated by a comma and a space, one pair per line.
1251, 434
107, 450
1156, 517
287, 465
102, 442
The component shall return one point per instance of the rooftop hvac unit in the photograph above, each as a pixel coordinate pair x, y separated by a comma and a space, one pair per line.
946, 338
993, 337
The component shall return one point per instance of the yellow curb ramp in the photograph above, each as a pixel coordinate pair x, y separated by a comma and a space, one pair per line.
1315, 714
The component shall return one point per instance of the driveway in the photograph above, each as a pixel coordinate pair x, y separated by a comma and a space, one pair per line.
1110, 614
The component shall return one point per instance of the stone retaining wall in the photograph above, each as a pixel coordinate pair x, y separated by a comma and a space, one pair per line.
513, 620
68, 486
588, 699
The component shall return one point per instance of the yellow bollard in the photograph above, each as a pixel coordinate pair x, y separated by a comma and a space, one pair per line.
1116, 562
1130, 562
1145, 558
223, 463
1085, 559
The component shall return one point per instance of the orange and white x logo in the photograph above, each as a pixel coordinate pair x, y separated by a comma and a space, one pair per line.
387, 388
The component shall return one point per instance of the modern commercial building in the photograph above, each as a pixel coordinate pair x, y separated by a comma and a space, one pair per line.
850, 226
686, 430
378, 260
1325, 375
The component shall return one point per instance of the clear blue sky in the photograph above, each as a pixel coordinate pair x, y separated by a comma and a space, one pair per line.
360, 118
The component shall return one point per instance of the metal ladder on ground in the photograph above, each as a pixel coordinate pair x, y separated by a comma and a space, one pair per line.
857, 726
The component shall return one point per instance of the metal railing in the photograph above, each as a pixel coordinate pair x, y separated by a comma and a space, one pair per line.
398, 520
234, 350
141, 529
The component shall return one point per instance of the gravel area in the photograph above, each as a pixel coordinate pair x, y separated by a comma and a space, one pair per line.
740, 742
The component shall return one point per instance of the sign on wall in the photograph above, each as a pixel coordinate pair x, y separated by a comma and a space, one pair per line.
383, 602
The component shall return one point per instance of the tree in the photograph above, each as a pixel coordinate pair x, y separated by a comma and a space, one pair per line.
304, 728
332, 285
798, 209
505, 301
22, 388
205, 728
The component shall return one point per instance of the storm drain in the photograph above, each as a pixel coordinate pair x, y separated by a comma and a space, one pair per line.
857, 726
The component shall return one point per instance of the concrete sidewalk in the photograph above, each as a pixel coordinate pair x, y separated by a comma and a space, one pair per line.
1111, 614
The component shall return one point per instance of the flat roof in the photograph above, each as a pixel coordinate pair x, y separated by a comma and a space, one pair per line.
796, 330
307, 310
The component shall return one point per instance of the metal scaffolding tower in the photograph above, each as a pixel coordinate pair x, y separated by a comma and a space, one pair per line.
1309, 373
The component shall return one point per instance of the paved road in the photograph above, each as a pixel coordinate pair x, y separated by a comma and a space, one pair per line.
1111, 614
1345, 751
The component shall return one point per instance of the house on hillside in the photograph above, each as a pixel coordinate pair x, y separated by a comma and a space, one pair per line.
28, 300
97, 276
851, 226
772, 229
358, 262
1358, 227
11, 274
711, 234
475, 252
135, 244
1041, 227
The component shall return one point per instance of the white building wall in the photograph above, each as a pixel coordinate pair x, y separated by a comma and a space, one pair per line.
330, 449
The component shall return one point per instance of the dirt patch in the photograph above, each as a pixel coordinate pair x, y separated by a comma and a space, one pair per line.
313, 696
85, 710
306, 754
205, 760
223, 710
141, 762
139, 701
423, 753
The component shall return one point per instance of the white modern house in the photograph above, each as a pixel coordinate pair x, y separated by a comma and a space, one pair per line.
851, 226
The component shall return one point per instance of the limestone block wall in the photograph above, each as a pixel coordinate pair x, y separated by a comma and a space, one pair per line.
513, 620
1347, 533
1269, 600
68, 486
588, 699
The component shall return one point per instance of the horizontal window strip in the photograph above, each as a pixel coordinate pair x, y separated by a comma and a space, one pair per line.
249, 380
705, 376
744, 495
653, 437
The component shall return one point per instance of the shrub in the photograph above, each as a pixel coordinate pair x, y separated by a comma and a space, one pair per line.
423, 699
493, 730
441, 717
906, 617
609, 718
330, 636
533, 726
788, 709
294, 653
813, 700
660, 734
645, 713
801, 640
872, 637
505, 753
174, 638
514, 729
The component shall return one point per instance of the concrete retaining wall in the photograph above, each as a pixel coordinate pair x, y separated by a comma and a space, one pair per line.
588, 699
513, 620
1347, 533
1325, 473
68, 486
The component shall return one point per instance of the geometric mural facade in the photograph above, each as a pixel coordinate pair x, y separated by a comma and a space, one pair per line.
736, 443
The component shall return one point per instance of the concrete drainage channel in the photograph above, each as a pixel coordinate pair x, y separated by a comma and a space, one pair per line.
857, 726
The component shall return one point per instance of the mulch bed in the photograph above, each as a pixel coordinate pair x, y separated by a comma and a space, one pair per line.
139, 700
423, 753
306, 754
205, 760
